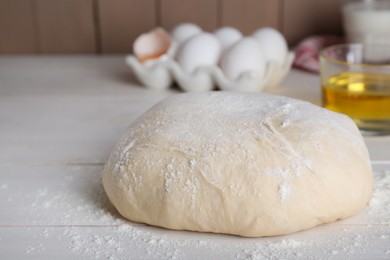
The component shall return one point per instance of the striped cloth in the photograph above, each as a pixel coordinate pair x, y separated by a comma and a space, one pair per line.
307, 51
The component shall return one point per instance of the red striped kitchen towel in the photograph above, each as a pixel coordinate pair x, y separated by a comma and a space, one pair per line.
307, 51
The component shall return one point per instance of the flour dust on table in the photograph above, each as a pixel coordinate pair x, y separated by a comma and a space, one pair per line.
117, 236
243, 164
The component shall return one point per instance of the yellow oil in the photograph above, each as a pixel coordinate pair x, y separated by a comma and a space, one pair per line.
364, 97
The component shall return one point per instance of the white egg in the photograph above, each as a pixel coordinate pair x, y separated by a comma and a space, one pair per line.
244, 56
227, 36
201, 50
184, 31
273, 43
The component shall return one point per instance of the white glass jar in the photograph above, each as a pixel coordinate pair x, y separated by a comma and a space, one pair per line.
367, 21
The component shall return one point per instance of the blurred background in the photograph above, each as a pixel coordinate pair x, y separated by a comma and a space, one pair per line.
110, 26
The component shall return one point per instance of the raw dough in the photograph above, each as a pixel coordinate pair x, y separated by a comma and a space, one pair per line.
239, 163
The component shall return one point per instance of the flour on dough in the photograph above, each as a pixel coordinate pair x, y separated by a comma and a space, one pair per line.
239, 163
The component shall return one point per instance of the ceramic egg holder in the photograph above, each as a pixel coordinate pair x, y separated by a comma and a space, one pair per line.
161, 72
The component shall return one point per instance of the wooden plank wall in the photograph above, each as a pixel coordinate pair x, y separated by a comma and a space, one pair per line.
110, 26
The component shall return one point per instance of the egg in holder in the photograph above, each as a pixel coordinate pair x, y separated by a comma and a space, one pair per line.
202, 61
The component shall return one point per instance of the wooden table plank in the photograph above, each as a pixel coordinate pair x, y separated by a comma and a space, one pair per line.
65, 130
250, 15
204, 13
132, 241
121, 21
65, 26
71, 75
17, 32
303, 18
61, 195
379, 148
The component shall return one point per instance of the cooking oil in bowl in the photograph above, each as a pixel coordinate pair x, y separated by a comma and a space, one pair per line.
365, 97
355, 80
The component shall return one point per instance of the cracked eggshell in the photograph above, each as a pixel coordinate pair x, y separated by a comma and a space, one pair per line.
200, 50
273, 43
152, 45
227, 36
244, 56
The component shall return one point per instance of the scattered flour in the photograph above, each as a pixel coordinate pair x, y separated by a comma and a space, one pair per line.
36, 248
118, 239
379, 207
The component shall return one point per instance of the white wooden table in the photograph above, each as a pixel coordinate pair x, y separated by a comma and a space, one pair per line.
59, 119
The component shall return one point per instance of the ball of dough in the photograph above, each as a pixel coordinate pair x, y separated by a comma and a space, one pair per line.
239, 163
